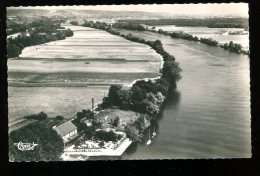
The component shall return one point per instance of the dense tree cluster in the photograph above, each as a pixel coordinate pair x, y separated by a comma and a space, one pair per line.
37, 32
234, 47
84, 114
209, 41
107, 136
132, 133
182, 35
49, 148
39, 116
13, 28
130, 26
143, 97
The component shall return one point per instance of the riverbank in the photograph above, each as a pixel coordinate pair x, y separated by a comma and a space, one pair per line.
230, 46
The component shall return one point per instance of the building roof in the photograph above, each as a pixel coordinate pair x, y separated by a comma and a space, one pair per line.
65, 128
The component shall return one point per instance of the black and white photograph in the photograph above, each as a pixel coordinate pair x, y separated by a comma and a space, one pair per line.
128, 82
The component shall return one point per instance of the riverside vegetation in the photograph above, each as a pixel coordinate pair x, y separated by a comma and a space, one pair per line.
231, 46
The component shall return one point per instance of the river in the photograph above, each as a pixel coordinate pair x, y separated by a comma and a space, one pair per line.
208, 116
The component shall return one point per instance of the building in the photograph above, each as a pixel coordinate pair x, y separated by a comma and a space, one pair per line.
67, 131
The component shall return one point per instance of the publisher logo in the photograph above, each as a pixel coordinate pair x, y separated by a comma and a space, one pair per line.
25, 146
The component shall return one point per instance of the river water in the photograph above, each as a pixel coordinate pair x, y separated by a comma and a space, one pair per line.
209, 114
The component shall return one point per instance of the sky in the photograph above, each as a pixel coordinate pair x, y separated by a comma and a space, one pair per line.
234, 9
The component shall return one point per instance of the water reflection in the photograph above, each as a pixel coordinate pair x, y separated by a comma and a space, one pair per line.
132, 148
174, 98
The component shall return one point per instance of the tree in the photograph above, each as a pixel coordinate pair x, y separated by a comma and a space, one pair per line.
49, 148
116, 121
124, 96
59, 117
171, 71
138, 95
132, 133
88, 114
13, 50
74, 23
113, 94
147, 86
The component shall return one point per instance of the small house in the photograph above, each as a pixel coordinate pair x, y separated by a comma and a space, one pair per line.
67, 131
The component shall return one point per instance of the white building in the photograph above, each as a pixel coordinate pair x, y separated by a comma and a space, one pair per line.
67, 131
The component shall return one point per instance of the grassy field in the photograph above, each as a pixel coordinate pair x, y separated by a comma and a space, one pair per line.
65, 101
108, 116
74, 79
113, 66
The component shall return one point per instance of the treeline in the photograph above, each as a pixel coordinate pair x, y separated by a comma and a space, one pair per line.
38, 32
13, 28
233, 47
49, 148
130, 26
208, 22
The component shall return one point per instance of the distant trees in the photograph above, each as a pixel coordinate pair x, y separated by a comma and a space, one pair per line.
16, 27
49, 148
130, 26
209, 41
233, 47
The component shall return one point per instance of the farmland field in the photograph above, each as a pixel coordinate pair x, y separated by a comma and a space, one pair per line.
55, 76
